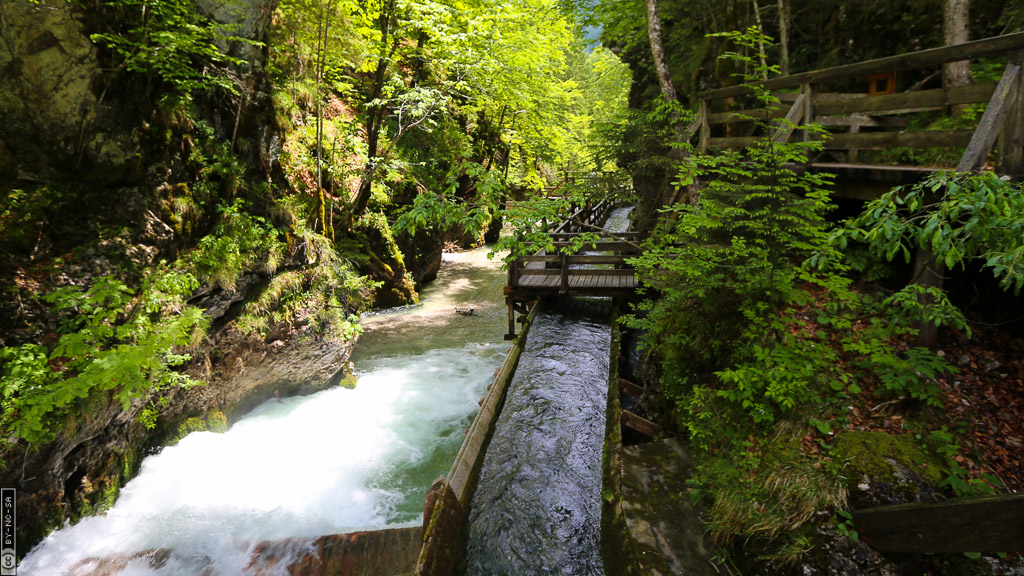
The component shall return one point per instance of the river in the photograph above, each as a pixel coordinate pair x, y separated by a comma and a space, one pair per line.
332, 462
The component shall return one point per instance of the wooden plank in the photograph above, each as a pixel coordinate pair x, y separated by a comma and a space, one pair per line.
863, 121
990, 524
747, 115
641, 425
628, 387
895, 103
919, 139
920, 59
788, 124
991, 121
735, 142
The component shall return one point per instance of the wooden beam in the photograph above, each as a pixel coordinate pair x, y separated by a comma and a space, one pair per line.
807, 90
990, 524
991, 121
920, 59
919, 139
641, 425
1011, 138
785, 128
747, 115
628, 387
862, 121
896, 103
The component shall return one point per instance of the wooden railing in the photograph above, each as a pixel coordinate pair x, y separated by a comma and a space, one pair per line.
871, 120
542, 274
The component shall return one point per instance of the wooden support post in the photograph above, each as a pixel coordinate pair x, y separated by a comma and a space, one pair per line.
565, 274
991, 121
705, 128
1011, 138
808, 91
852, 152
641, 425
511, 318
785, 127
990, 524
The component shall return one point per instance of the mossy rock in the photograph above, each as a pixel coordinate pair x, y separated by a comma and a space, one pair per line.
214, 421
869, 453
884, 469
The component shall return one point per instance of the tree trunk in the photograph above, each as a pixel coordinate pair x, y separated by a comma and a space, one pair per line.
658, 51
377, 113
955, 27
928, 273
784, 37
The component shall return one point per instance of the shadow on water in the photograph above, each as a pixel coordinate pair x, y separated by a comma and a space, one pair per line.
537, 507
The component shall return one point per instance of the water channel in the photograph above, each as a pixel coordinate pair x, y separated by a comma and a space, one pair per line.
333, 462
537, 506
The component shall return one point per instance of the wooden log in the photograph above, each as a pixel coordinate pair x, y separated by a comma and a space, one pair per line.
990, 524
896, 103
920, 59
991, 121
641, 425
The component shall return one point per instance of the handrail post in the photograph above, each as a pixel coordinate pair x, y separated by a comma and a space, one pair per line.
565, 274
1011, 137
705, 128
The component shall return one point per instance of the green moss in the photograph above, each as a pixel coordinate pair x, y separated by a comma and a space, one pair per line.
869, 454
214, 421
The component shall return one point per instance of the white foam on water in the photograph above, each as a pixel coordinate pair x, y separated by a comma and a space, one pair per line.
334, 462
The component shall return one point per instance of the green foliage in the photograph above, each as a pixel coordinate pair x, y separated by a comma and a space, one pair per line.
957, 478
447, 210
845, 525
239, 243
111, 341
328, 290
168, 40
759, 330
959, 217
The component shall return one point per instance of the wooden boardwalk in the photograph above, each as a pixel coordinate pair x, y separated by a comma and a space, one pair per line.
601, 271
881, 116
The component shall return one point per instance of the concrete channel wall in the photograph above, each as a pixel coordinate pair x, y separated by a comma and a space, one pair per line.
447, 509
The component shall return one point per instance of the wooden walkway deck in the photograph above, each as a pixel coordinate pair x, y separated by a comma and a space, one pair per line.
602, 271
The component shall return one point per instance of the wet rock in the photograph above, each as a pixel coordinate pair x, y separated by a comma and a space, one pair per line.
665, 528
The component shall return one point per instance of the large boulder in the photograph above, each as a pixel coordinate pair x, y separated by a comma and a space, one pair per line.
57, 117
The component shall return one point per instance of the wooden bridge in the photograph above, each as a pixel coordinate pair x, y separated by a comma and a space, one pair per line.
600, 271
880, 117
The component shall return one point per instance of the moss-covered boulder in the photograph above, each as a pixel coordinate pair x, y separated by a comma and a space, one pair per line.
885, 469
